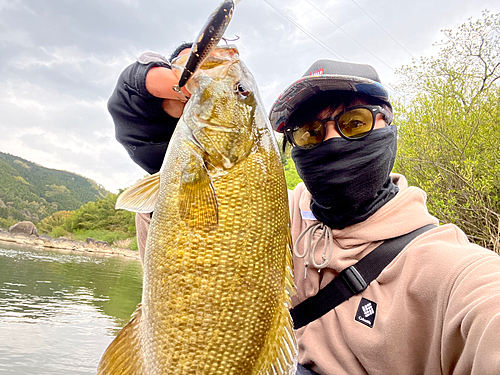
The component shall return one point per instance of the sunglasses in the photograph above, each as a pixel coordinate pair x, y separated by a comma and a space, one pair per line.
352, 123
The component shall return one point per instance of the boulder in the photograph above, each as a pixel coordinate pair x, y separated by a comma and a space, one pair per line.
90, 241
6, 236
103, 244
46, 237
26, 228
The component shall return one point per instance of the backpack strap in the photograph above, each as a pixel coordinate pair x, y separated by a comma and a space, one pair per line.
352, 280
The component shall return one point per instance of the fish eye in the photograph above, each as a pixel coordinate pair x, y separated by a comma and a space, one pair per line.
242, 89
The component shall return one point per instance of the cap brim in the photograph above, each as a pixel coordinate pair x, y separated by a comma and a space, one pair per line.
304, 88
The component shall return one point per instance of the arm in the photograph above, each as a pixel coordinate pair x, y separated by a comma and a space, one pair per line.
471, 339
145, 109
301, 370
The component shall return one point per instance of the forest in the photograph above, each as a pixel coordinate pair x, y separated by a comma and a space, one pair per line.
31, 192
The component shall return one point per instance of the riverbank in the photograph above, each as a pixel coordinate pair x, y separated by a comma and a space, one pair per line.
99, 248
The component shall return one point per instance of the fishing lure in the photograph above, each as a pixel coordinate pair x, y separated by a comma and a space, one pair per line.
207, 39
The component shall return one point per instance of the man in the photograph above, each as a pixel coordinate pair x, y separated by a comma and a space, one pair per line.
435, 308
145, 110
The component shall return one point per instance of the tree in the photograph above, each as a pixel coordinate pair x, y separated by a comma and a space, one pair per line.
449, 128
291, 176
57, 219
101, 215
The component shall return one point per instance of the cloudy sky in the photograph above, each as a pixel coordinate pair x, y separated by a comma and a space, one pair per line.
59, 60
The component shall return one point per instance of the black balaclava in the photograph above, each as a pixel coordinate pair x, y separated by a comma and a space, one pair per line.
349, 180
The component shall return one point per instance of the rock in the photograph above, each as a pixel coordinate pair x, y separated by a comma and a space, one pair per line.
63, 243
90, 242
6, 236
102, 244
100, 248
26, 228
46, 237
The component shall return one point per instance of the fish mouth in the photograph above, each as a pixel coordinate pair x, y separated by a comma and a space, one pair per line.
223, 55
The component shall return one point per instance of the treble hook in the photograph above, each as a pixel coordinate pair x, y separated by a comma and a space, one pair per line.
230, 40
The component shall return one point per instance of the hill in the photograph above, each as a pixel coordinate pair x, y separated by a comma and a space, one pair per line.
31, 192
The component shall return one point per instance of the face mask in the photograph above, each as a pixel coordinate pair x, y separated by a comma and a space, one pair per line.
349, 180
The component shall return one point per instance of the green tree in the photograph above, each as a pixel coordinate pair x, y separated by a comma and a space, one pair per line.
102, 215
291, 176
5, 224
50, 223
101, 220
449, 128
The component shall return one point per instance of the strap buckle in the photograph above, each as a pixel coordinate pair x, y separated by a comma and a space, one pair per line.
353, 280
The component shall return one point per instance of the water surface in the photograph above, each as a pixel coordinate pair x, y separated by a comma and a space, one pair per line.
59, 310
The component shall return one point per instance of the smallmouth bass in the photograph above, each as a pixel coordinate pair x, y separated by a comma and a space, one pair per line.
217, 269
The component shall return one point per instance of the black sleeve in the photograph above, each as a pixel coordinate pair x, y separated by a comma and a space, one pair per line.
301, 370
141, 124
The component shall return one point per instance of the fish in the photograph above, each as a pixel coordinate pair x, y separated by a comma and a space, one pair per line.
208, 38
218, 279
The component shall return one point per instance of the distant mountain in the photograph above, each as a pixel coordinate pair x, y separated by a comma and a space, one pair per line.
29, 191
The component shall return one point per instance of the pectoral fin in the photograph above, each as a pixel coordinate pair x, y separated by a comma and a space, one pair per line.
123, 356
142, 196
198, 202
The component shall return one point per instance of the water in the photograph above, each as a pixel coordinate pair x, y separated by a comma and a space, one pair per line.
59, 311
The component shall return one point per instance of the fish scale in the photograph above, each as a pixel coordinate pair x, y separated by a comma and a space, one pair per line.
217, 268
221, 249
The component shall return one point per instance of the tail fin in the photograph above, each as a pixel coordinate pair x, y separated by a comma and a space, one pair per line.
123, 355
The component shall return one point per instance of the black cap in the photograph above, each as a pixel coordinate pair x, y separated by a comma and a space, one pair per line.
326, 75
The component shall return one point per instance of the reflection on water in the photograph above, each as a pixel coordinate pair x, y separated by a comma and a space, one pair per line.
59, 311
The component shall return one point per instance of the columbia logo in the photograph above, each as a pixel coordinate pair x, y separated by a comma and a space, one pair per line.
366, 312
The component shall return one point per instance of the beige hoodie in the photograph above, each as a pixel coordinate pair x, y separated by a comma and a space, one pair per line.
435, 308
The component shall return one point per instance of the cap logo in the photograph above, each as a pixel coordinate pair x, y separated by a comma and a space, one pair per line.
318, 72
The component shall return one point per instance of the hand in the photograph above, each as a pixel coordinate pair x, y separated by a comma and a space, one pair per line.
173, 107
160, 82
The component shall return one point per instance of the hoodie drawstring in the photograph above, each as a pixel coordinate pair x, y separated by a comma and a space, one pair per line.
309, 254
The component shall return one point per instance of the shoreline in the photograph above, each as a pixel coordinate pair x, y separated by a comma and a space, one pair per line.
61, 243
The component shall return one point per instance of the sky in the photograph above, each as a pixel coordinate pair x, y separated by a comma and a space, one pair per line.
60, 60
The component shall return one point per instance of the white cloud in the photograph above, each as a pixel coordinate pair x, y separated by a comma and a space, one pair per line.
16, 37
9, 4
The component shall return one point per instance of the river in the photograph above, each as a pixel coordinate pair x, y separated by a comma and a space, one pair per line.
59, 310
